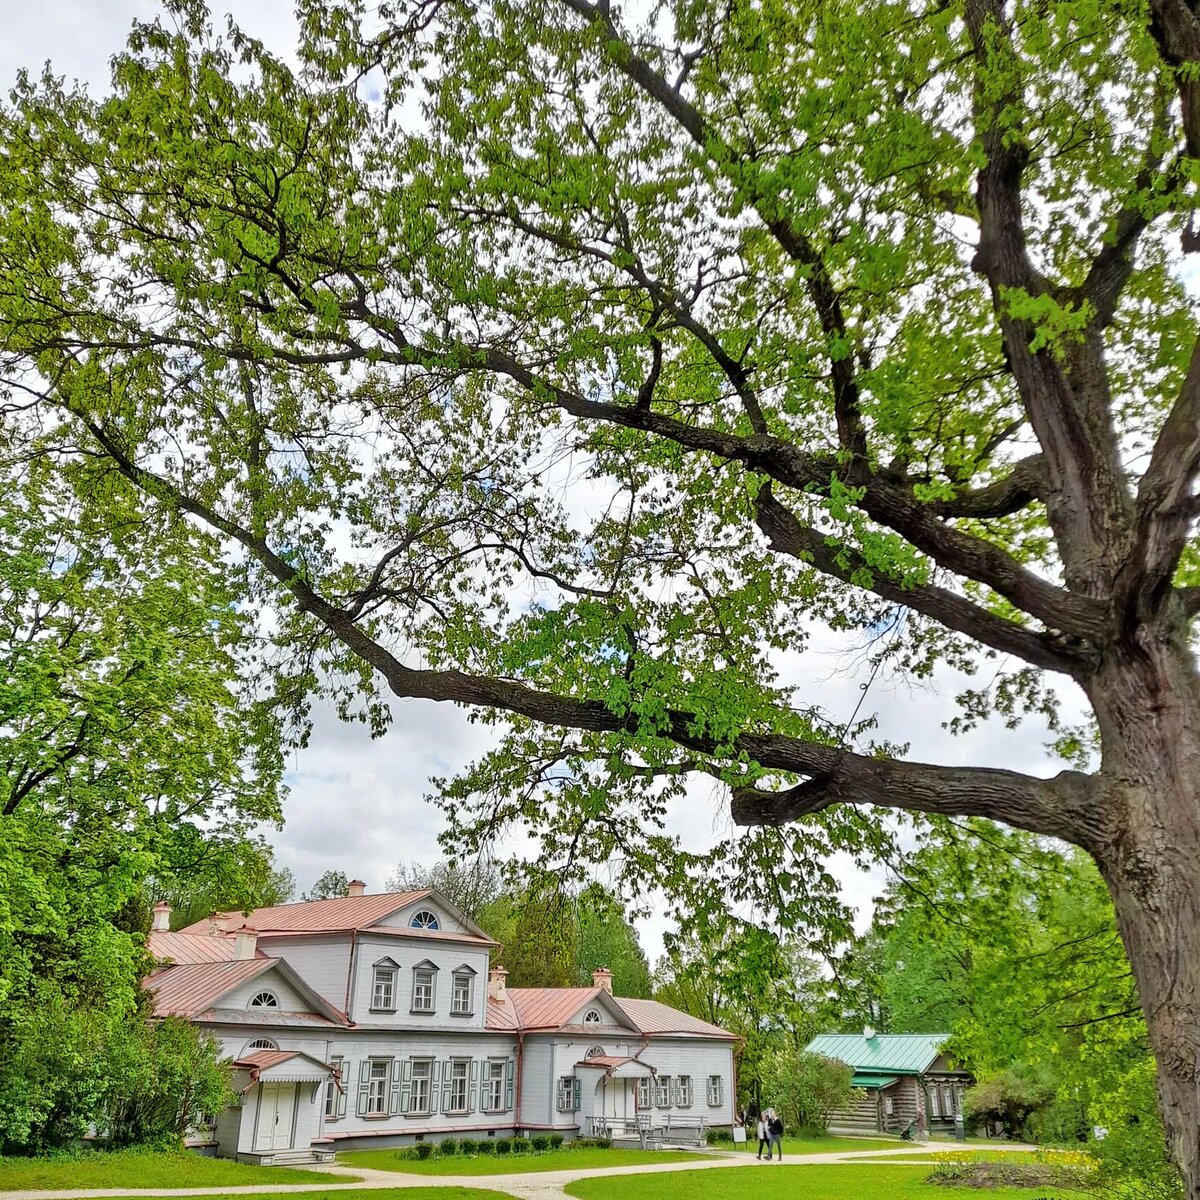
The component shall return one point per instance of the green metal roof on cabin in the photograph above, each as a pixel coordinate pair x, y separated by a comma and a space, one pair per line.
865, 1079
885, 1053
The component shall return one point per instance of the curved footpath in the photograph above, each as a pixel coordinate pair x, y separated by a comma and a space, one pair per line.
535, 1185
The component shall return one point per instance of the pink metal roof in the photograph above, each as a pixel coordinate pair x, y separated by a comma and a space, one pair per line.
650, 1017
501, 1014
192, 947
549, 1008
316, 916
187, 990
261, 1060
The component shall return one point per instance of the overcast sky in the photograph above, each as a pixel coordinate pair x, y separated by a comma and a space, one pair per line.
356, 804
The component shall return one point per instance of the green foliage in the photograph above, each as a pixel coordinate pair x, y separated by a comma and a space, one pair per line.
540, 1142
330, 885
718, 1135
449, 1146
806, 1089
503, 1146
1009, 1097
521, 1145
556, 1141
422, 1150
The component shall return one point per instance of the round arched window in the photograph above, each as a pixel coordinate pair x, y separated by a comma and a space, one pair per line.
424, 920
592, 1017
595, 1052
264, 1000
261, 1044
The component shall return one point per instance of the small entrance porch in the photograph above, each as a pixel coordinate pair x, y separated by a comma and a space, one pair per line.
279, 1118
615, 1101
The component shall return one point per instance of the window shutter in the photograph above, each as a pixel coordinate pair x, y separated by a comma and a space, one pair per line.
508, 1085
436, 1080
394, 1088
576, 1095
676, 1091
364, 1086
473, 1085
405, 1083
720, 1090
342, 1093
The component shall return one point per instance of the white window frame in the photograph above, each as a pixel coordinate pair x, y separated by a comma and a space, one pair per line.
377, 1087
260, 1043
685, 1091
422, 1072
716, 1090
494, 1096
462, 993
592, 1017
644, 1093
425, 918
337, 1062
566, 1093
424, 976
662, 1091
263, 999
453, 1078
383, 987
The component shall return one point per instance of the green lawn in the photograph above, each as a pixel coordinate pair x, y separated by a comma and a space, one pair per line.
873, 1181
822, 1145
143, 1169
515, 1164
413, 1193
933, 1157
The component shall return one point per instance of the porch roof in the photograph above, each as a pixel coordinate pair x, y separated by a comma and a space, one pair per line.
866, 1079
284, 1066
621, 1068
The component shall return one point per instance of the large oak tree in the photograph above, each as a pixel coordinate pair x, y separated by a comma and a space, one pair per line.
567, 363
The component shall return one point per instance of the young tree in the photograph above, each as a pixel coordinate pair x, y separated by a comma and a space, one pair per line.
869, 315
330, 885
472, 886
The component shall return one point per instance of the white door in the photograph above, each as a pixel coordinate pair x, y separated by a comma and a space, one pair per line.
276, 1111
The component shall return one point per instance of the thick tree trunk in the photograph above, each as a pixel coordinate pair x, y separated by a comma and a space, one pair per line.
1148, 702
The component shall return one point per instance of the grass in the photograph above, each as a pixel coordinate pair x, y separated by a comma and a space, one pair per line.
873, 1181
514, 1164
822, 1145
933, 1157
413, 1193
143, 1169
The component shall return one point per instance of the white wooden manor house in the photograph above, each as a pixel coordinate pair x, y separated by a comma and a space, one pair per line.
374, 1020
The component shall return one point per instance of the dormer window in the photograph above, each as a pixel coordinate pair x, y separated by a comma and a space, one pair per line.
264, 1000
383, 986
592, 1017
424, 983
424, 919
462, 993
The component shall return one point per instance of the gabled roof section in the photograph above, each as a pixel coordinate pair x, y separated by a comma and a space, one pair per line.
342, 914
300, 1067
545, 1009
190, 989
183, 948
651, 1017
883, 1054
316, 916
559, 1008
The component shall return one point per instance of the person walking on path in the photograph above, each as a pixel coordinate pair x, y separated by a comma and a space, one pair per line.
761, 1130
774, 1134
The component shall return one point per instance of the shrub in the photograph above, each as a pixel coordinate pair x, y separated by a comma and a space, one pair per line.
556, 1141
407, 1153
520, 1145
423, 1150
447, 1147
503, 1145
807, 1089
718, 1135
485, 1146
468, 1146
1010, 1097
1070, 1172
540, 1142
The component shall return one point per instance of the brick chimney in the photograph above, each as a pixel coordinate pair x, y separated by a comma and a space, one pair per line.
245, 942
497, 983
214, 926
602, 978
355, 887
161, 921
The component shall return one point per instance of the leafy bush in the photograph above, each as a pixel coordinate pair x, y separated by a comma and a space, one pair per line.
807, 1089
1067, 1170
468, 1146
447, 1147
423, 1150
556, 1141
540, 1142
1010, 1097
597, 1143
485, 1146
521, 1145
503, 1145
718, 1135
